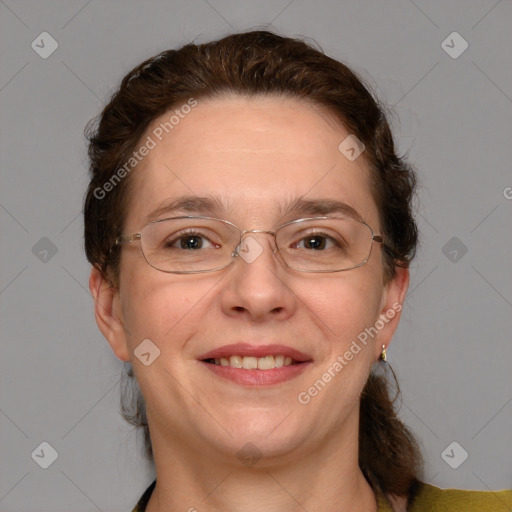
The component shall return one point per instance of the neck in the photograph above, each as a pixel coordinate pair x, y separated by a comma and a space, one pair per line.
196, 480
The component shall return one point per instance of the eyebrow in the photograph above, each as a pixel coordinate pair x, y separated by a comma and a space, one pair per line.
213, 205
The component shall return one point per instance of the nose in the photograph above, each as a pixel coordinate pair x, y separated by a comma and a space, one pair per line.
258, 287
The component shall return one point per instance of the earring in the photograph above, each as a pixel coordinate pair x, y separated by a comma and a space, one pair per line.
383, 356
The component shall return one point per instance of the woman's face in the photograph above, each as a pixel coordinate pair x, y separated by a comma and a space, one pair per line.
256, 156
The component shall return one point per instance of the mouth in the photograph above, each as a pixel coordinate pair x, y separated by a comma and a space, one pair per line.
252, 365
268, 362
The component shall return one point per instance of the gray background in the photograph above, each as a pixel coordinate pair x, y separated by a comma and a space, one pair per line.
59, 380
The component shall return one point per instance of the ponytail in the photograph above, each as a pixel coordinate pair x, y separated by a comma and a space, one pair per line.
389, 455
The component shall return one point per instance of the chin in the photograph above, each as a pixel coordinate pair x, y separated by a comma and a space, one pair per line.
262, 435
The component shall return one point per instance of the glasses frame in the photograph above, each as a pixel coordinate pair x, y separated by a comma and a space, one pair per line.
122, 239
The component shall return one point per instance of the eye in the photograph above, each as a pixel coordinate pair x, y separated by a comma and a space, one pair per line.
316, 242
189, 241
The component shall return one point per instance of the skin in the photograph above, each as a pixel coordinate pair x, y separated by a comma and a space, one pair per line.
254, 153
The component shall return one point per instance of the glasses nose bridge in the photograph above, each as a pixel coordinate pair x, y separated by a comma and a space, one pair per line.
247, 231
242, 233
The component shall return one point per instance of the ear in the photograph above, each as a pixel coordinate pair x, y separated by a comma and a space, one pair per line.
393, 297
108, 313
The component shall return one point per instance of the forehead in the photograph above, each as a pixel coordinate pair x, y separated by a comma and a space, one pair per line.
253, 156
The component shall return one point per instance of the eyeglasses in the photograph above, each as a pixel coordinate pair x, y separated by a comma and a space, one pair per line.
196, 244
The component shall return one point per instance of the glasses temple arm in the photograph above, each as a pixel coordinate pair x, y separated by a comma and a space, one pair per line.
123, 239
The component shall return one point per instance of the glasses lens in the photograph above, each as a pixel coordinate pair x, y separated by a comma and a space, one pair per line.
188, 244
196, 244
325, 245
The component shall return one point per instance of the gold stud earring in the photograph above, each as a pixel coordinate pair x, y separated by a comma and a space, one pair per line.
383, 356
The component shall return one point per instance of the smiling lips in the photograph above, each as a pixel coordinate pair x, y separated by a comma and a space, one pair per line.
256, 364
253, 363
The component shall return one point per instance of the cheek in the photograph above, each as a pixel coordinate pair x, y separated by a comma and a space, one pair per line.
344, 305
161, 311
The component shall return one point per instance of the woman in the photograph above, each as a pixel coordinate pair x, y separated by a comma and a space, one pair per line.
250, 229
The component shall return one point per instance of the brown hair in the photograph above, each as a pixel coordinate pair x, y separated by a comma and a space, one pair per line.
263, 63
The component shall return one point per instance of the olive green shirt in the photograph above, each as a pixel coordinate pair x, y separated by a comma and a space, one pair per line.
433, 499
428, 499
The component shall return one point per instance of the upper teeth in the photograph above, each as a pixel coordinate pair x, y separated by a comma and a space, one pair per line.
253, 363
